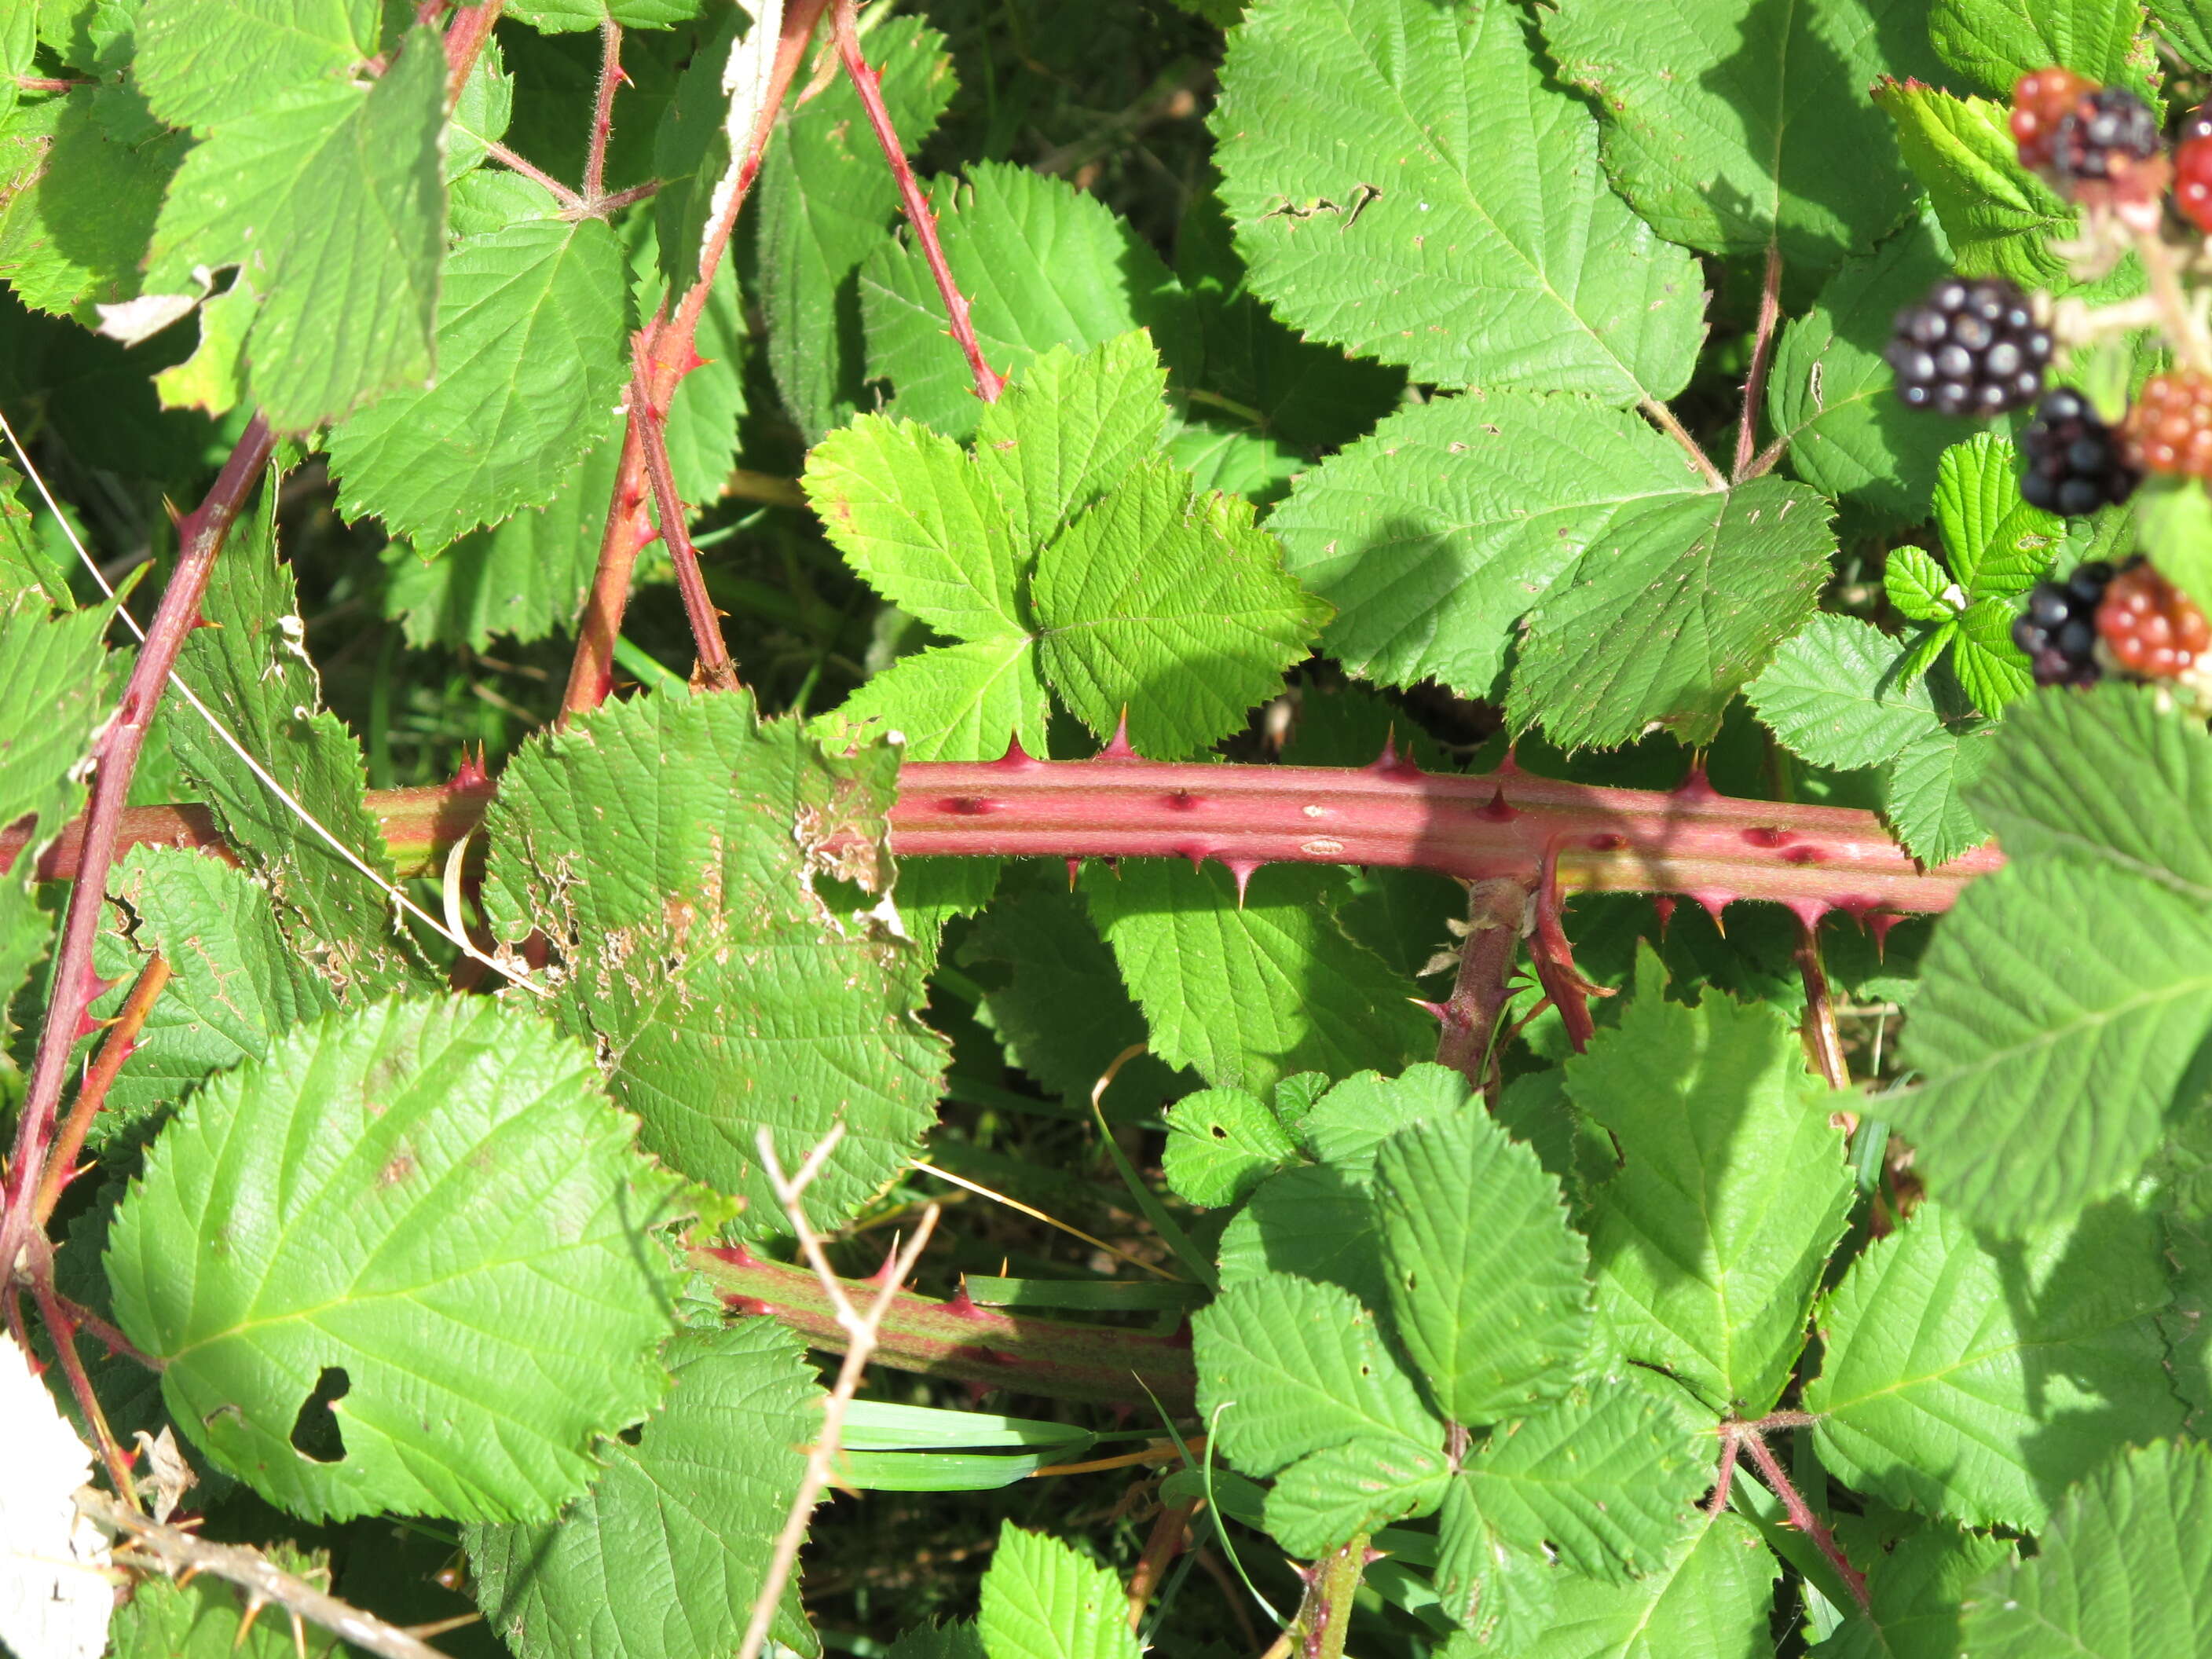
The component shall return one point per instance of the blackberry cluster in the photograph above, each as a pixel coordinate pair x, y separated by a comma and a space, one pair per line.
2150, 626
2106, 135
1970, 349
2168, 428
2058, 631
2073, 461
2039, 102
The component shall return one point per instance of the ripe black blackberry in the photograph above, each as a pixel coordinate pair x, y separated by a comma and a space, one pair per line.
1970, 348
2074, 462
2107, 134
2058, 631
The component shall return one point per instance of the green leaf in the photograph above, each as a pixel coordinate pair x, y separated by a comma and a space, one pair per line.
1924, 793
251, 670
331, 196
1314, 1223
1707, 584
555, 16
1915, 1585
1607, 1484
418, 1213
2058, 791
1834, 694
1041, 264
1346, 1127
1295, 1379
2066, 997
206, 1619
1991, 670
957, 1640
45, 733
1998, 41
825, 196
525, 579
78, 206
1061, 1011
664, 1557
1500, 1596
725, 992
916, 517
1246, 994
1708, 1246
1171, 608
531, 325
1474, 241
2187, 24
1998, 544
235, 985
2000, 219
1723, 122
1042, 1600
203, 62
1832, 398
2174, 520
213, 378
1069, 429
1222, 1143
1918, 586
1489, 1286
1433, 536
481, 113
1713, 1598
1975, 1381
951, 702
2058, 1027
2124, 1569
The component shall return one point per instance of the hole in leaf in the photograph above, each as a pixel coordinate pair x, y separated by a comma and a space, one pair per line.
315, 1432
632, 1435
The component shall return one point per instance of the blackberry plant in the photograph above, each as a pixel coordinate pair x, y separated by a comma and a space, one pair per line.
997, 831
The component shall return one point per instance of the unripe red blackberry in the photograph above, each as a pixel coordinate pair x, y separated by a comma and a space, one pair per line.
2074, 464
1971, 347
2192, 168
2150, 626
2058, 630
2107, 135
2040, 101
2168, 428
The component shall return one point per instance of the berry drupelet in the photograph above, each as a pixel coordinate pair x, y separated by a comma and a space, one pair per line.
2073, 461
2192, 168
2168, 428
2058, 630
2151, 627
1970, 348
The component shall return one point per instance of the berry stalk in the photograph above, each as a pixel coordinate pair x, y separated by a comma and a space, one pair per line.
1715, 848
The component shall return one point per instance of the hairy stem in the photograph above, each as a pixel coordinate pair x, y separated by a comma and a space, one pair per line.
464, 43
716, 672
1762, 358
569, 199
264, 1581
667, 352
2182, 328
603, 109
1664, 419
62, 1330
1169, 1537
1753, 1443
1716, 848
958, 1339
1325, 1617
200, 537
1479, 990
115, 1047
868, 83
